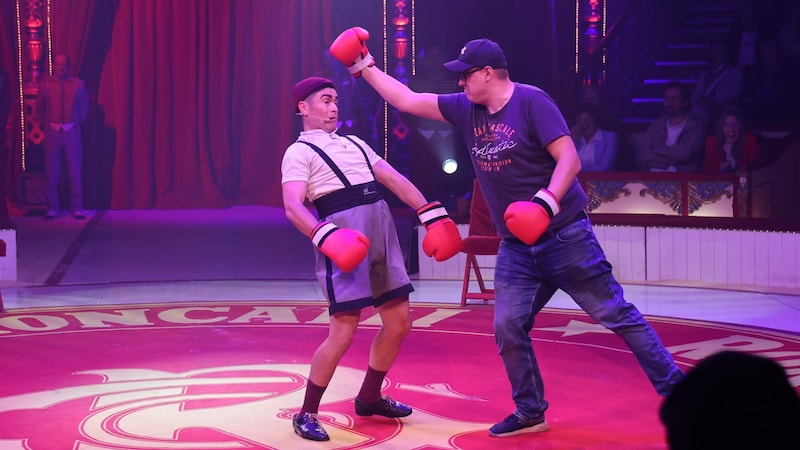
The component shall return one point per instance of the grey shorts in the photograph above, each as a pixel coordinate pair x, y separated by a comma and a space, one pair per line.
380, 277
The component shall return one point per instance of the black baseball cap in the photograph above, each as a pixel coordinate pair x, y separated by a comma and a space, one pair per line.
478, 53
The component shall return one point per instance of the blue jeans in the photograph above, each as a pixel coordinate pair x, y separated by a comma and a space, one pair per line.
69, 145
525, 279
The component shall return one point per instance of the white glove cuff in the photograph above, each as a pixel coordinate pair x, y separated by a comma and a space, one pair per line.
321, 232
549, 200
431, 213
362, 64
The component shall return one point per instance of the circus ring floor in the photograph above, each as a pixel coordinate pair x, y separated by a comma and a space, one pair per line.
230, 374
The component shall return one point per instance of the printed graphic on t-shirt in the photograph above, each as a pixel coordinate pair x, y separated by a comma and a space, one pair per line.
492, 140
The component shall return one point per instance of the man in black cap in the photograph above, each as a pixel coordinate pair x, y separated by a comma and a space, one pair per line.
359, 262
526, 164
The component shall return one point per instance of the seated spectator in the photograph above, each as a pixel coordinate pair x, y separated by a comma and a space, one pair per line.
731, 401
590, 94
732, 148
674, 141
718, 86
596, 147
771, 96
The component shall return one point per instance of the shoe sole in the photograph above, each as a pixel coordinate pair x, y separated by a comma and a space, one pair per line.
538, 428
309, 437
361, 414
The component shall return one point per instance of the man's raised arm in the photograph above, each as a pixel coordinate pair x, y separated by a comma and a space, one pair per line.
350, 48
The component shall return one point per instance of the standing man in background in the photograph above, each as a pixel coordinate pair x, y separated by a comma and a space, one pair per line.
62, 104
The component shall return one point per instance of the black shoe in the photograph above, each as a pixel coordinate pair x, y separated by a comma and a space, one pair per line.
307, 426
78, 215
514, 424
385, 407
50, 216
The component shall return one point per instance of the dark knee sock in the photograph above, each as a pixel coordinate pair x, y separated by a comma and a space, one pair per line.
313, 398
371, 388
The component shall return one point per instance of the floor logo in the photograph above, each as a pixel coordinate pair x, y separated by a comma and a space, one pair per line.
230, 376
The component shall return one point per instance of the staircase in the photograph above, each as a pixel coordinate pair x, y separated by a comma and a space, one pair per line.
683, 57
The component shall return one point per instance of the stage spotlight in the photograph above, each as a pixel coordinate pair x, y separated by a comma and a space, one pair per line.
449, 166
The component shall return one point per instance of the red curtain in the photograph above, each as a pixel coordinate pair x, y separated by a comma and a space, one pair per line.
70, 33
191, 104
9, 98
8, 35
198, 95
190, 99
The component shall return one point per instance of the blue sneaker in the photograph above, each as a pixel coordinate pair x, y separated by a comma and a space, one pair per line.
308, 427
514, 424
385, 407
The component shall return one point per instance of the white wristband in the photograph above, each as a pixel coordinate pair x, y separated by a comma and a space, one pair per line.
550, 200
435, 212
362, 64
321, 232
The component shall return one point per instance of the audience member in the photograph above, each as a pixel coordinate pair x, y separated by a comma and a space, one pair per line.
62, 104
674, 141
597, 148
771, 11
590, 94
718, 86
731, 148
745, 35
5, 107
772, 94
789, 31
733, 401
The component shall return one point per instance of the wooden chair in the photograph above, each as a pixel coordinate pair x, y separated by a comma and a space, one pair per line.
482, 239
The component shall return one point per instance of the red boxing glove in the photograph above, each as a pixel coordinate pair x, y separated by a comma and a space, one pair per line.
344, 246
442, 239
529, 220
350, 49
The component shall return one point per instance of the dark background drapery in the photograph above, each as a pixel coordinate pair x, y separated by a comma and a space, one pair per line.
197, 94
191, 104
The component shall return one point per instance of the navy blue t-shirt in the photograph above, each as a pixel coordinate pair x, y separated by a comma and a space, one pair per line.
508, 149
